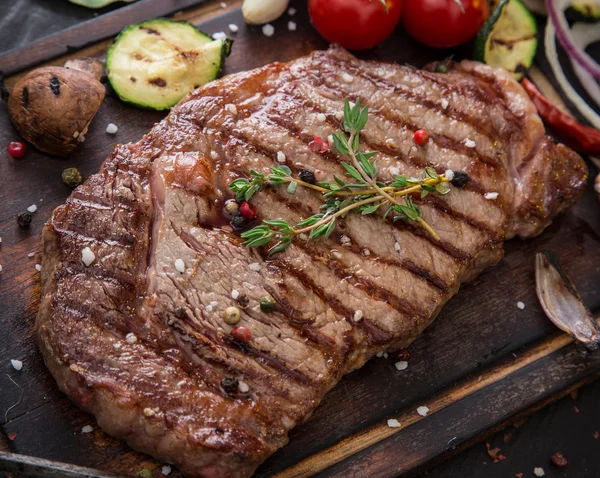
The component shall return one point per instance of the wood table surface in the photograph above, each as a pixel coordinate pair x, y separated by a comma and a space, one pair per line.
568, 425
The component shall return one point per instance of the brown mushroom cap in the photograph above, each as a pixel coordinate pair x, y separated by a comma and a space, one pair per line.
51, 107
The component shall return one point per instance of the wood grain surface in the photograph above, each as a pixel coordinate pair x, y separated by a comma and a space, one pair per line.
482, 362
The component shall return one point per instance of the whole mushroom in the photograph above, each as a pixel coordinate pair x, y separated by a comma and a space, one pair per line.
52, 107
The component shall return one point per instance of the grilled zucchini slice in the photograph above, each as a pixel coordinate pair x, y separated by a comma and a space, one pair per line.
155, 63
586, 11
508, 38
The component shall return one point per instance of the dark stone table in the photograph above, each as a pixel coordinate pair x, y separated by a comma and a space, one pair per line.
568, 426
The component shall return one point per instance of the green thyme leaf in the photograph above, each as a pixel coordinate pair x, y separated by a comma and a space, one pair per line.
282, 245
340, 143
370, 209
292, 188
352, 172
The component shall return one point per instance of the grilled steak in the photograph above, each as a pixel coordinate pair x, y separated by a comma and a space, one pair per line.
141, 343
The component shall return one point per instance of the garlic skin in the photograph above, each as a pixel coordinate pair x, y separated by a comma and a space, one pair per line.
258, 12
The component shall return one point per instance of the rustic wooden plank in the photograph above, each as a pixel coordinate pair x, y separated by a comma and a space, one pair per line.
478, 330
89, 32
489, 379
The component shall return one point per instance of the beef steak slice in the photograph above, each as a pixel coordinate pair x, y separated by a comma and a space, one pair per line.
144, 347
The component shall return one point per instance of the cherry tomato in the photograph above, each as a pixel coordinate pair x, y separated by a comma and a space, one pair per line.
355, 24
442, 23
16, 149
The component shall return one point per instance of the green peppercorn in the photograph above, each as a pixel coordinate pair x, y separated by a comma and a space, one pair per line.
72, 177
24, 219
231, 315
267, 304
460, 179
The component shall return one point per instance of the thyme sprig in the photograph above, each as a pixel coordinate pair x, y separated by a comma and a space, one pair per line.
364, 193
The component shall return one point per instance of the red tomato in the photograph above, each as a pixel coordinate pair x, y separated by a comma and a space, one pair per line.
442, 23
355, 24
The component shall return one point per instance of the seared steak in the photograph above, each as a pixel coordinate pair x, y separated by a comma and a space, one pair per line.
141, 343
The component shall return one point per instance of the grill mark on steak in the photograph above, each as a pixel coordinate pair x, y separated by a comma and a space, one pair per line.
356, 247
442, 140
409, 94
431, 277
375, 334
373, 290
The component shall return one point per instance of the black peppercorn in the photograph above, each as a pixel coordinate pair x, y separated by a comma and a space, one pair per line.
24, 219
238, 222
307, 176
460, 179
243, 301
229, 385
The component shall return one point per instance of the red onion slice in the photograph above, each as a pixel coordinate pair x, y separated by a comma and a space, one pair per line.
563, 32
585, 34
550, 44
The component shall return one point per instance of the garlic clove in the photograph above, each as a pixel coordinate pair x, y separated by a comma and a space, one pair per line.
562, 303
258, 12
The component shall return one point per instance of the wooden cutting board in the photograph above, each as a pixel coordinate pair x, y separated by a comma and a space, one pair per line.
483, 363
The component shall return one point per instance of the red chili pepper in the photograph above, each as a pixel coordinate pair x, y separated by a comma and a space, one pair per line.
581, 138
421, 137
241, 334
249, 211
318, 145
16, 149
12, 436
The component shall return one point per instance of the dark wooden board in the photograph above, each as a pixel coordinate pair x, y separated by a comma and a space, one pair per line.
482, 362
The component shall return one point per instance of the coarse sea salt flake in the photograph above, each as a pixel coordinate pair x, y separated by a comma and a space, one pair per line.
402, 365
112, 128
292, 26
280, 157
397, 246
235, 294
449, 174
347, 78
0, 267
31, 254
358, 315
223, 5
490, 195
380, 354
336, 254
180, 266
423, 411
469, 143
17, 364
268, 30
87, 256
444, 103
87, 429
38, 267
521, 305
321, 117
255, 266
539, 471
214, 155
166, 470
231, 108
393, 423
291, 11
219, 36
131, 338
32, 208
243, 387
233, 27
